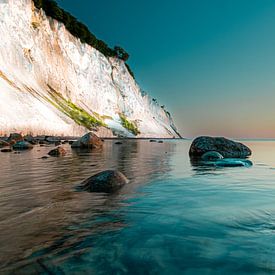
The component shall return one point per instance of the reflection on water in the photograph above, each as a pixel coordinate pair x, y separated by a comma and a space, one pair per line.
172, 217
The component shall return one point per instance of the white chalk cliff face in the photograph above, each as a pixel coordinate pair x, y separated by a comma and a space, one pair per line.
51, 83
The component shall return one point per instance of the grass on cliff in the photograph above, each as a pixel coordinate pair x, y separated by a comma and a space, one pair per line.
130, 126
76, 113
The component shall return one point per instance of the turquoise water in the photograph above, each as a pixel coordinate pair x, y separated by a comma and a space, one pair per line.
173, 217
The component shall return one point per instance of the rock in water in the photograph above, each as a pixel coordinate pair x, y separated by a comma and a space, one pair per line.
90, 140
211, 155
14, 137
57, 152
107, 181
227, 148
30, 139
6, 150
22, 145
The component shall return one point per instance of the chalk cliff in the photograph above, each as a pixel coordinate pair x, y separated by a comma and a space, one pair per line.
51, 83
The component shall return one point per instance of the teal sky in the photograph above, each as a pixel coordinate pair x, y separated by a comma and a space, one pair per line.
211, 63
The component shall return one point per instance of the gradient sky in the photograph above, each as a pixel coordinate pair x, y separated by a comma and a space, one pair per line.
211, 63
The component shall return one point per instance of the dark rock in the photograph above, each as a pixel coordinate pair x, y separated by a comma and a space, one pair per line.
211, 155
52, 139
45, 157
17, 153
22, 145
14, 137
71, 142
152, 140
160, 141
57, 143
42, 142
119, 142
6, 150
106, 181
227, 148
90, 140
30, 139
57, 152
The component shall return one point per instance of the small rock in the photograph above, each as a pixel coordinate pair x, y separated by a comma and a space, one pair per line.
71, 142
42, 142
160, 141
90, 140
15, 137
30, 139
22, 145
44, 157
106, 181
57, 152
152, 140
211, 155
6, 150
57, 143
17, 153
118, 142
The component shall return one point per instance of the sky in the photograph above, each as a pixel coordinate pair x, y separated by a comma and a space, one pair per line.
211, 63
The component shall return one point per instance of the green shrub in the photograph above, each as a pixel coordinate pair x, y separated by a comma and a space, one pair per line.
80, 31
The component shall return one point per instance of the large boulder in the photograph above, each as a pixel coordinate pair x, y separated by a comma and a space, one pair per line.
90, 140
107, 181
227, 148
22, 145
57, 152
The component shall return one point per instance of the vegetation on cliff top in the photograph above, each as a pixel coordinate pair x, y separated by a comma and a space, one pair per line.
80, 31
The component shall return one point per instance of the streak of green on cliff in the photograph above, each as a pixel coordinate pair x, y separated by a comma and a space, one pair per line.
130, 126
76, 113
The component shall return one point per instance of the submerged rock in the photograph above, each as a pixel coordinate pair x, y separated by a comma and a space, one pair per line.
57, 152
22, 145
107, 181
211, 155
118, 143
90, 140
152, 140
227, 148
228, 162
233, 163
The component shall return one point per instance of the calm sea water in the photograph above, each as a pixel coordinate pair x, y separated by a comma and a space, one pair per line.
173, 218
